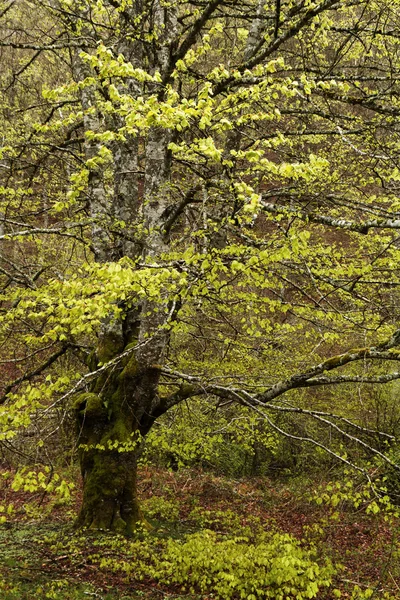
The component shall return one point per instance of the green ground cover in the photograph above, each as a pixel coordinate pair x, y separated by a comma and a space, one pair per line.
207, 537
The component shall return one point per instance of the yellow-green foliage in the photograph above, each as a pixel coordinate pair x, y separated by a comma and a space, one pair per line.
225, 520
370, 496
52, 486
225, 440
270, 567
273, 567
266, 565
158, 507
43, 481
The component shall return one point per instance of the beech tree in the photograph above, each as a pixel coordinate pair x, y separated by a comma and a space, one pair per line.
199, 198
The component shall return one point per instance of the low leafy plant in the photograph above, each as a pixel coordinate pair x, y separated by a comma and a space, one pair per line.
158, 507
230, 567
370, 496
36, 485
273, 567
215, 519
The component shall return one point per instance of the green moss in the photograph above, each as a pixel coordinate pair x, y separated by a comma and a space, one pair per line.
109, 346
132, 344
107, 452
119, 524
118, 432
104, 381
335, 361
110, 500
187, 389
89, 404
102, 484
341, 359
92, 360
131, 369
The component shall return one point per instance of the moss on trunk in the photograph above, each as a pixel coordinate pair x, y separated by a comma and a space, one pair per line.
111, 420
108, 445
110, 499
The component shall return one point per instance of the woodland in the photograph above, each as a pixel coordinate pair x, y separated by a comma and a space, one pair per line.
199, 277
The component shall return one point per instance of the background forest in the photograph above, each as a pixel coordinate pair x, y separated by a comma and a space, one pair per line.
199, 308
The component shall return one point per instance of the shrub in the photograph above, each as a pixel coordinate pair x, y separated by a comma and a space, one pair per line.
161, 508
275, 567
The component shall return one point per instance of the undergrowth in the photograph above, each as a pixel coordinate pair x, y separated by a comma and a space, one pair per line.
210, 537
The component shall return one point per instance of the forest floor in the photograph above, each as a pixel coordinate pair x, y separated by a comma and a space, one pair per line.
42, 557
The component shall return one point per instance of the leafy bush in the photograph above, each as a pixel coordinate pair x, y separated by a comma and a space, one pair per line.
36, 485
215, 519
372, 496
158, 507
43, 481
275, 567
233, 443
251, 564
390, 476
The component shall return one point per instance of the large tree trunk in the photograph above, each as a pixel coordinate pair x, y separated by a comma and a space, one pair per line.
114, 416
110, 492
112, 419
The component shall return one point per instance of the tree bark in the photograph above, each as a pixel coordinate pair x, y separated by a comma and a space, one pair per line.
111, 420
116, 413
110, 500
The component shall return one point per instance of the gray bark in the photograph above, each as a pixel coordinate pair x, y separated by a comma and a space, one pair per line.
98, 205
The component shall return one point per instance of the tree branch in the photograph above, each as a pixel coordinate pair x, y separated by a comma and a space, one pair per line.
28, 376
362, 227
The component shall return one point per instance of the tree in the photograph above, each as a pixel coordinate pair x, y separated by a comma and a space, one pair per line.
203, 202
